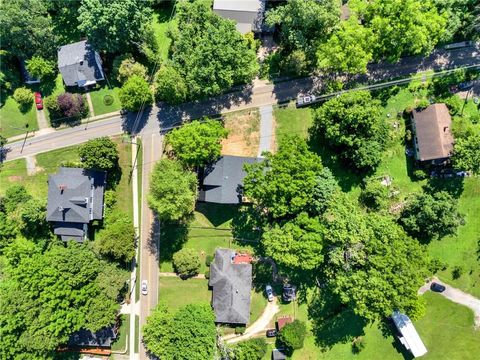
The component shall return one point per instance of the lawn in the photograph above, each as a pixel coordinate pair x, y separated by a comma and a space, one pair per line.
292, 121
13, 121
121, 342
176, 292
12, 172
101, 97
161, 21
124, 186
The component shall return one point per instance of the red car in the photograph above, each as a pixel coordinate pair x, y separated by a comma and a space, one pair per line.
38, 101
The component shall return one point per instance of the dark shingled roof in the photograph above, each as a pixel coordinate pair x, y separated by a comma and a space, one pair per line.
232, 284
87, 338
79, 64
433, 136
223, 180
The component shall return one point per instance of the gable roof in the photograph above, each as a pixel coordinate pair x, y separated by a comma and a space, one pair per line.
223, 180
434, 139
75, 195
410, 337
79, 63
248, 14
232, 284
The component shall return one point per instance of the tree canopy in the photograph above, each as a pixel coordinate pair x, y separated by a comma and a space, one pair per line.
170, 86
352, 125
187, 334
208, 52
198, 143
293, 335
253, 349
135, 93
173, 191
100, 153
466, 153
40, 68
186, 262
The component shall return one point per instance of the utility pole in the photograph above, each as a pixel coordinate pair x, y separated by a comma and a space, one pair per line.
465, 102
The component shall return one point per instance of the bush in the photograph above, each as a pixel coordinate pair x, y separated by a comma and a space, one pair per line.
295, 63
422, 104
457, 272
293, 335
208, 259
454, 104
420, 174
50, 103
110, 199
207, 274
135, 93
358, 344
23, 96
128, 68
72, 105
186, 262
240, 330
374, 195
170, 86
253, 349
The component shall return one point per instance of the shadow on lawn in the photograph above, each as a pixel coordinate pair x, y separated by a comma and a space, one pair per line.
172, 238
217, 214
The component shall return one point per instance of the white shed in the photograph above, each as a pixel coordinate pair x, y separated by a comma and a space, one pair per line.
410, 338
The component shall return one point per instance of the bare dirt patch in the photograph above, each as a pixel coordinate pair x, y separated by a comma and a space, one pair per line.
15, 178
243, 133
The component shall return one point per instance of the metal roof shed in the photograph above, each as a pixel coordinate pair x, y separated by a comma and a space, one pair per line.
410, 338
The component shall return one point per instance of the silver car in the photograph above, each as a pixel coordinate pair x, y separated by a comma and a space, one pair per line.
144, 287
303, 100
269, 292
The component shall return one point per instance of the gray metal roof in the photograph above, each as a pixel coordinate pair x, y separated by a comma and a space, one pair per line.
102, 338
223, 180
70, 231
278, 354
248, 14
232, 284
79, 63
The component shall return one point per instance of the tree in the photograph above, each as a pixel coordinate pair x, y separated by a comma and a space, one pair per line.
296, 244
348, 50
170, 86
283, 184
293, 335
460, 17
374, 195
188, 334
100, 153
303, 23
40, 68
224, 58
31, 219
173, 191
295, 63
352, 125
466, 153
325, 188
135, 93
129, 67
3, 141
371, 264
26, 29
117, 239
253, 349
186, 262
198, 143
14, 196
23, 96
431, 216
401, 27
116, 25
71, 105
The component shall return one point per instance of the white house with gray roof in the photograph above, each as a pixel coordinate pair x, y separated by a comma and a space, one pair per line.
79, 64
248, 14
75, 198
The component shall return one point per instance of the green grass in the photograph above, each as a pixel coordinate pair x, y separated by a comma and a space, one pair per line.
292, 121
13, 121
12, 172
124, 187
99, 106
161, 21
121, 342
139, 192
257, 305
176, 292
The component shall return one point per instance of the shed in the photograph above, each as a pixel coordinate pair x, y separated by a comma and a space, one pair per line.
409, 336
282, 321
248, 14
278, 354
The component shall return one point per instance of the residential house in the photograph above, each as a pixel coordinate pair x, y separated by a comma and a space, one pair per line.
248, 14
231, 282
432, 129
84, 339
222, 182
408, 334
79, 64
75, 198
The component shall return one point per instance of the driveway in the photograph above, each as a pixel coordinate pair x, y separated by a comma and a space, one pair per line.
457, 296
259, 326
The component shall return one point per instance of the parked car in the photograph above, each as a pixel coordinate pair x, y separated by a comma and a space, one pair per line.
271, 333
269, 291
144, 287
289, 292
467, 85
437, 287
38, 101
303, 100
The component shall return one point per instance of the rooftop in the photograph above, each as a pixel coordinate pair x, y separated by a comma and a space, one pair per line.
410, 337
248, 14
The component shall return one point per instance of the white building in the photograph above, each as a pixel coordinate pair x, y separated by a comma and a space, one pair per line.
410, 338
248, 14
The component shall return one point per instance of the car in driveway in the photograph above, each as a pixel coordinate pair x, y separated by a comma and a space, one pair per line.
38, 101
144, 287
269, 292
271, 333
303, 100
437, 287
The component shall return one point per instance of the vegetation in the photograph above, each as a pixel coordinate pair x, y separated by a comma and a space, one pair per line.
170, 86
253, 349
135, 93
100, 153
198, 143
293, 335
173, 191
40, 68
186, 262
23, 96
125, 67
466, 153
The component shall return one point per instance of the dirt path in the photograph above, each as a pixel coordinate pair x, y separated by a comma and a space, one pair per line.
31, 165
457, 296
259, 326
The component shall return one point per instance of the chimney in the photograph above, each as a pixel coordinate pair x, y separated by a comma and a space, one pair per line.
60, 208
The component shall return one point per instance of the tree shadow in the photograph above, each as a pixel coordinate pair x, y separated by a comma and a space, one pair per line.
217, 214
25, 108
247, 225
134, 122
454, 186
172, 238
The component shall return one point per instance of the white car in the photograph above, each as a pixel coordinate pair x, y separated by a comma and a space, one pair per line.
303, 100
269, 291
144, 287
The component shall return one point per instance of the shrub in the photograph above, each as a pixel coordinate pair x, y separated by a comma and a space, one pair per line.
454, 104
295, 63
128, 68
208, 259
170, 86
358, 344
420, 174
135, 93
186, 262
293, 335
50, 103
240, 330
253, 349
207, 274
23, 96
423, 103
110, 199
374, 195
71, 105
457, 271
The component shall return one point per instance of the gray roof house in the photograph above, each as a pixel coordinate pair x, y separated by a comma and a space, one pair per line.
222, 182
232, 284
75, 197
79, 64
248, 14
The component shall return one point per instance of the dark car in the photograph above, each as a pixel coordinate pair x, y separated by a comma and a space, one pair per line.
271, 333
467, 85
289, 292
437, 287
38, 101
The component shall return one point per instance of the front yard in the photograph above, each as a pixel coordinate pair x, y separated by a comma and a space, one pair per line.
105, 99
13, 121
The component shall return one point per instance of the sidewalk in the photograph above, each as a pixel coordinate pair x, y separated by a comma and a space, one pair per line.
266, 129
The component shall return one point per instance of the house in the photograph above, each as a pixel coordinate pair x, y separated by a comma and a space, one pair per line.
27, 78
408, 334
282, 321
278, 354
222, 182
433, 139
248, 14
88, 339
75, 198
79, 64
231, 283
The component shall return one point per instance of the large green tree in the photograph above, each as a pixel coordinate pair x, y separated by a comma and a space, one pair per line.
283, 184
100, 153
31, 219
40, 68
198, 143
466, 153
170, 86
135, 93
26, 29
431, 216
293, 335
208, 52
173, 191
461, 15
253, 349
186, 262
187, 334
115, 25
352, 125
